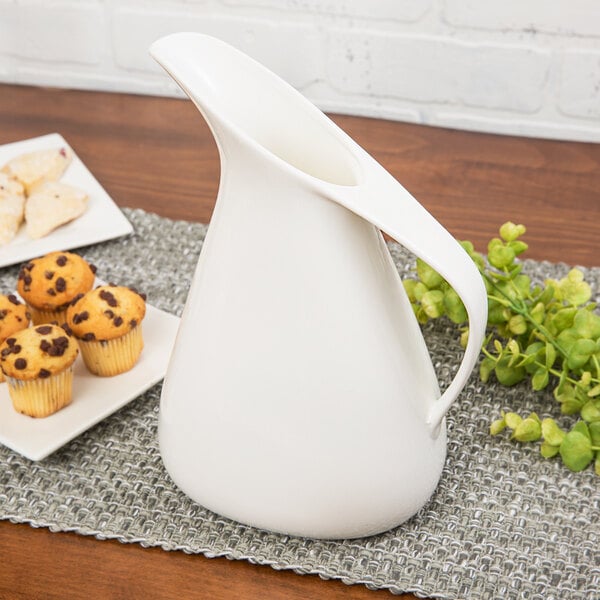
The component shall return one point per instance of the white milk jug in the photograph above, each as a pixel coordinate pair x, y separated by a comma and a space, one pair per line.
300, 396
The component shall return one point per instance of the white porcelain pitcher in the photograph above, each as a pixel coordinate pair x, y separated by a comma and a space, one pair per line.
300, 396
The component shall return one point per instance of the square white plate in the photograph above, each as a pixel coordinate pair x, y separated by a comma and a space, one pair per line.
94, 398
101, 221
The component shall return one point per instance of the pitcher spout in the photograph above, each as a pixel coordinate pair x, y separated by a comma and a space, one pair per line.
242, 100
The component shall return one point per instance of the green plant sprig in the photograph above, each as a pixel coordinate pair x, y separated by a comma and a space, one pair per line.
548, 334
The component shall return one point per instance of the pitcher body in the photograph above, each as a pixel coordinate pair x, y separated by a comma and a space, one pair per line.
300, 396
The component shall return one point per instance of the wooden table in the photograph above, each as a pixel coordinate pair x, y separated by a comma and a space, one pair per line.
158, 154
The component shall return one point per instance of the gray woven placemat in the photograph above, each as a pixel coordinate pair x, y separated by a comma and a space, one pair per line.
503, 523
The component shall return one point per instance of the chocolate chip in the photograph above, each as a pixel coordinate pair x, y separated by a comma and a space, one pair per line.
108, 298
19, 319
3, 313
45, 345
11, 341
43, 329
61, 261
16, 349
58, 347
140, 294
133, 323
93, 269
67, 329
76, 299
44, 373
13, 299
60, 285
118, 321
51, 292
88, 337
48, 274
80, 317
20, 364
109, 313
27, 280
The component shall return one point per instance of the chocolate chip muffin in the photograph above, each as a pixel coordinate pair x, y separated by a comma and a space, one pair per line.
49, 284
107, 323
38, 365
14, 316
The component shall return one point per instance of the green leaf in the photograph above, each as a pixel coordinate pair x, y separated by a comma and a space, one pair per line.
538, 312
580, 353
574, 289
552, 433
587, 324
419, 290
430, 277
540, 379
486, 368
517, 324
582, 427
550, 355
510, 232
433, 303
501, 256
528, 430
497, 426
594, 429
518, 247
455, 309
597, 463
513, 420
563, 319
576, 451
595, 391
409, 288
548, 451
590, 412
506, 374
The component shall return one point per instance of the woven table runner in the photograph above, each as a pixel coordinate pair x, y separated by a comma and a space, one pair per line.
503, 522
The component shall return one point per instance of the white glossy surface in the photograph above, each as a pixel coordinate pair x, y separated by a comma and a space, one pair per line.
94, 398
101, 221
300, 396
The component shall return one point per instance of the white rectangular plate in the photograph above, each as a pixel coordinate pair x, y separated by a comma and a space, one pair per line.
101, 221
94, 398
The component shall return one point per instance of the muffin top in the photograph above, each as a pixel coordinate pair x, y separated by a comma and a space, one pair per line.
37, 352
52, 281
13, 316
106, 313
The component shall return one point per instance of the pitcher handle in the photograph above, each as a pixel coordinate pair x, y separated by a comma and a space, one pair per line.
384, 202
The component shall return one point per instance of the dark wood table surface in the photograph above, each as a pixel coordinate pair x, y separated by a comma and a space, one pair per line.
158, 154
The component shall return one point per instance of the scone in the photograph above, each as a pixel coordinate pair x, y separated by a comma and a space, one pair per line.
48, 284
38, 365
14, 316
12, 207
107, 323
51, 205
37, 167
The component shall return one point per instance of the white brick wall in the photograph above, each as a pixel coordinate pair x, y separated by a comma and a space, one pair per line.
529, 67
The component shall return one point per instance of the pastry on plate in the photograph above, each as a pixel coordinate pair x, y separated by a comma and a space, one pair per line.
12, 205
38, 365
35, 168
51, 205
107, 323
14, 316
48, 284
